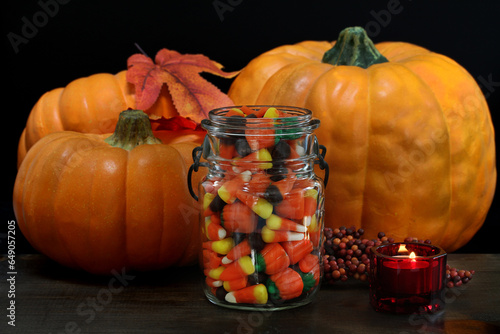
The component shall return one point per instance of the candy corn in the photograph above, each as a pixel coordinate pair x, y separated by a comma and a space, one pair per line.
255, 294
242, 267
235, 284
261, 135
238, 217
275, 222
292, 205
211, 259
310, 202
285, 185
227, 191
259, 183
269, 235
262, 213
257, 160
214, 273
213, 230
241, 249
213, 282
220, 246
258, 205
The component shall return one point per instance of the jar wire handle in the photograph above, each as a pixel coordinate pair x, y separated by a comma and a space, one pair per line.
323, 165
197, 153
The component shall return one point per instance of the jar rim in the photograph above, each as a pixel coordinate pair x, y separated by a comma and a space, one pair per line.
300, 117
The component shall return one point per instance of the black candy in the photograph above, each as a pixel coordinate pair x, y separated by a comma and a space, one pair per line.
242, 147
273, 195
217, 204
277, 172
281, 150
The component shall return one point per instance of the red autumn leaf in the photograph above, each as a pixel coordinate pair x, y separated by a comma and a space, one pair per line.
192, 95
175, 124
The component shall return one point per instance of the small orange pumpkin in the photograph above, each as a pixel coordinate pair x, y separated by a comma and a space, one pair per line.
409, 136
89, 105
102, 203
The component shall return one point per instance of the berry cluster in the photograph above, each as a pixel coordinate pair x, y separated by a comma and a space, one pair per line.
347, 254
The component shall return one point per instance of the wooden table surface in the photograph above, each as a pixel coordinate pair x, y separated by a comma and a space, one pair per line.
52, 299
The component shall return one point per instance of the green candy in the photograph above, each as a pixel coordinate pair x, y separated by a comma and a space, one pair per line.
288, 133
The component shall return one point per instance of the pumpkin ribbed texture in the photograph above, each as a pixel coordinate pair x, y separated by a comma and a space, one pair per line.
410, 141
89, 105
92, 206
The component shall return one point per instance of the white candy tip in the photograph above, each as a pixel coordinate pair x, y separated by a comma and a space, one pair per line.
230, 298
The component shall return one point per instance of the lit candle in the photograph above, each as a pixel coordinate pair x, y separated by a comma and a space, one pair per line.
406, 276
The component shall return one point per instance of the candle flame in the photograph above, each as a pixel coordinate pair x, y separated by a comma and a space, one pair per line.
402, 249
412, 255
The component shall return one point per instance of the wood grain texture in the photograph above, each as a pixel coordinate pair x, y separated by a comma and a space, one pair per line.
53, 299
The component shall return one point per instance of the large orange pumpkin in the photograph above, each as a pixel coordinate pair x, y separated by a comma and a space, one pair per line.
409, 136
108, 202
89, 105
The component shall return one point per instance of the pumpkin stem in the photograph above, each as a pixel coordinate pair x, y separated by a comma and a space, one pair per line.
353, 48
132, 129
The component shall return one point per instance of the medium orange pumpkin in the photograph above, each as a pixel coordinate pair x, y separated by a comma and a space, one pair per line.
409, 136
89, 105
108, 202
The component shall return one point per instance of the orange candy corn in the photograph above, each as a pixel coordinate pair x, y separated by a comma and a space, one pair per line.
262, 135
259, 112
227, 151
214, 230
259, 183
214, 273
241, 249
238, 217
211, 259
275, 222
310, 205
242, 267
292, 205
258, 205
213, 282
219, 246
285, 185
296, 250
269, 235
314, 230
254, 161
236, 284
235, 112
227, 192
255, 294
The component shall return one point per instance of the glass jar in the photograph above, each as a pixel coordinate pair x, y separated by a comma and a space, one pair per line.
262, 207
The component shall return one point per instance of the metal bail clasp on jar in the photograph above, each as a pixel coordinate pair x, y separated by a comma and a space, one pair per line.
262, 207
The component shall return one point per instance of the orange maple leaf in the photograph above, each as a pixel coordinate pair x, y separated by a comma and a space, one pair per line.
192, 95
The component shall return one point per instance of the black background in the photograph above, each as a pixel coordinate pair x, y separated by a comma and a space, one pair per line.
78, 38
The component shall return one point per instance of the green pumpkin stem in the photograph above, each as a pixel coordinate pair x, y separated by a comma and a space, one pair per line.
353, 48
132, 129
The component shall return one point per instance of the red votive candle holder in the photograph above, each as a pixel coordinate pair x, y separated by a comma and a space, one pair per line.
407, 278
